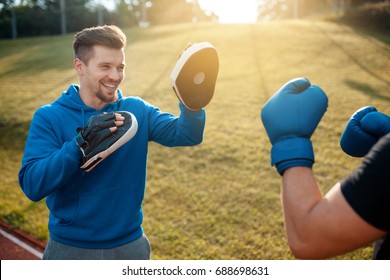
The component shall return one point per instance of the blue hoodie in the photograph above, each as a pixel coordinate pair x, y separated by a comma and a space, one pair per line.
101, 208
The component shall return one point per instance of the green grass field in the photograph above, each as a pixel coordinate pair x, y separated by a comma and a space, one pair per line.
221, 199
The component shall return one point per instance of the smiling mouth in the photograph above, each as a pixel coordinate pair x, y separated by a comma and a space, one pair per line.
109, 86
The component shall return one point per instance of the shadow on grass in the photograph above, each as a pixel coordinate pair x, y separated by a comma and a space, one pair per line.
355, 59
13, 134
366, 89
381, 34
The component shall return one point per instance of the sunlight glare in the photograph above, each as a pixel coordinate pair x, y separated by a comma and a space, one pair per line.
232, 11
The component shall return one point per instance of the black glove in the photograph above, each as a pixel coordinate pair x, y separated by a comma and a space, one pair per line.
96, 141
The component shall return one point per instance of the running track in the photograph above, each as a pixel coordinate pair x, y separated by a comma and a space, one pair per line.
18, 245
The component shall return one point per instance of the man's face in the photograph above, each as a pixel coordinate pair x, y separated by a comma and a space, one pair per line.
102, 75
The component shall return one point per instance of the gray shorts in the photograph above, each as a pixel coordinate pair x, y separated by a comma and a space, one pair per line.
136, 250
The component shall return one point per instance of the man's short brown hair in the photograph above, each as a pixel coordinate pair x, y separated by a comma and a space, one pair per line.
108, 35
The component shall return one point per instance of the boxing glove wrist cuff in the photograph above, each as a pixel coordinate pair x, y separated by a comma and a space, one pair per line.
282, 166
292, 152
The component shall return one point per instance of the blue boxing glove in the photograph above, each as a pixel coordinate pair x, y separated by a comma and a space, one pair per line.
290, 117
363, 130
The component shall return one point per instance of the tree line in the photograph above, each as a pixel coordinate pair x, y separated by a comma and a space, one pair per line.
373, 14
21, 18
49, 17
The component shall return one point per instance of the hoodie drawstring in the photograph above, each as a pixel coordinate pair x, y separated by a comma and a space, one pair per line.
82, 117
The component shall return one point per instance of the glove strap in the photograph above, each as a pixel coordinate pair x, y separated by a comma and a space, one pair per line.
292, 152
81, 143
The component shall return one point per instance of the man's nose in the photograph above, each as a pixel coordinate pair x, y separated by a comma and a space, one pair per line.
115, 74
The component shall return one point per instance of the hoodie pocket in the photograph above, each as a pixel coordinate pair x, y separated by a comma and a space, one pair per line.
107, 215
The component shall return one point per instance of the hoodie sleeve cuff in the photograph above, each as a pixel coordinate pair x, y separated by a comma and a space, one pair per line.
185, 110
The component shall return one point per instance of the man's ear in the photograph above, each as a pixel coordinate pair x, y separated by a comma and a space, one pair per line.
79, 66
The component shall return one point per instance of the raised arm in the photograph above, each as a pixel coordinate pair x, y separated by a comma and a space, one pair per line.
169, 130
319, 226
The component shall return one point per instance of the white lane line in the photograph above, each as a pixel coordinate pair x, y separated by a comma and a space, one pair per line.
21, 244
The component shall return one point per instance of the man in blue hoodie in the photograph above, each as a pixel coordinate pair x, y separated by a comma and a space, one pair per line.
98, 214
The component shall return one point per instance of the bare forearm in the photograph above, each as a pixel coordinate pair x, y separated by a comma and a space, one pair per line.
320, 226
300, 195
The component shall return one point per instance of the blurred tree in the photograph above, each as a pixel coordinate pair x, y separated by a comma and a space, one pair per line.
373, 13
124, 13
79, 15
368, 14
281, 9
174, 11
8, 19
45, 17
170, 11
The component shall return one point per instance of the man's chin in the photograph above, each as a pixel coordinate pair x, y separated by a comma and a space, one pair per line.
108, 96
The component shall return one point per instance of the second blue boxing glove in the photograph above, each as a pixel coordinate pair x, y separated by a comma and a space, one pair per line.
363, 130
290, 117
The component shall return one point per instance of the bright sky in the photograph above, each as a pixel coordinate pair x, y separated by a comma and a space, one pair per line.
232, 11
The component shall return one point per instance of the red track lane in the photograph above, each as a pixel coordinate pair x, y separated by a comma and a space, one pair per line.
18, 245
